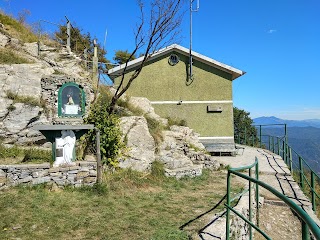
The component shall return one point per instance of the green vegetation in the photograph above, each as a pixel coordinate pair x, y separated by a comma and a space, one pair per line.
17, 155
128, 205
17, 29
155, 129
176, 121
123, 56
108, 125
9, 56
32, 101
244, 132
80, 41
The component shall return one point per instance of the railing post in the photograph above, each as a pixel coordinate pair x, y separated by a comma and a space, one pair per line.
313, 195
283, 151
250, 210
257, 191
260, 136
278, 140
273, 144
228, 210
305, 231
245, 135
301, 173
290, 159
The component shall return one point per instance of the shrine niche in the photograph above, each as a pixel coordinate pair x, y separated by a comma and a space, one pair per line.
71, 100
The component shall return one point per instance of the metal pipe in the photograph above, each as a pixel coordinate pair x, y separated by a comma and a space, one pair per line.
190, 50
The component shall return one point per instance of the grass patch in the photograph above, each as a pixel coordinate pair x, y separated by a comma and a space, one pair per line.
32, 101
155, 129
128, 205
18, 30
18, 155
8, 56
177, 122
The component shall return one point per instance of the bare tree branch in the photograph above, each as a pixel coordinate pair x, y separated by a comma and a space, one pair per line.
164, 22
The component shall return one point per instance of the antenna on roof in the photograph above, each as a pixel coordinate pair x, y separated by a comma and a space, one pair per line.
192, 9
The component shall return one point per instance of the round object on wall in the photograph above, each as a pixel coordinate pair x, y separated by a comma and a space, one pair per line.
173, 59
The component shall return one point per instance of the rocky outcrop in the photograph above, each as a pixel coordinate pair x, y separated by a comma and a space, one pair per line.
139, 142
180, 150
23, 79
145, 105
34, 83
183, 154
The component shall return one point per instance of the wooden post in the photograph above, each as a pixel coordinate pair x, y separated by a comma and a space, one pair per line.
99, 164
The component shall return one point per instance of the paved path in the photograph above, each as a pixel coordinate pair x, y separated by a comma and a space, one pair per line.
273, 171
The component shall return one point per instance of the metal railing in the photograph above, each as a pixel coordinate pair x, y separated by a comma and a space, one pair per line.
306, 221
302, 172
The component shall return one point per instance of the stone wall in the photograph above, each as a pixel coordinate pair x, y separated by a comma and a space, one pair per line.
83, 173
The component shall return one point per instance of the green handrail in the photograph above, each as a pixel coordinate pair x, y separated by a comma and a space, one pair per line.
307, 221
229, 208
293, 160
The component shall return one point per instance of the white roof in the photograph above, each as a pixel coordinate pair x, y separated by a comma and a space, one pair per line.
185, 51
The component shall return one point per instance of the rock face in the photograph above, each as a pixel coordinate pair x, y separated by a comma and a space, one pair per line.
141, 145
183, 154
23, 79
180, 150
36, 81
145, 105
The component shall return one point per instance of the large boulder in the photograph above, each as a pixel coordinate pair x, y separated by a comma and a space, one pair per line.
145, 105
140, 144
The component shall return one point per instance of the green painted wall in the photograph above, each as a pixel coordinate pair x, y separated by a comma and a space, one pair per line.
217, 124
159, 81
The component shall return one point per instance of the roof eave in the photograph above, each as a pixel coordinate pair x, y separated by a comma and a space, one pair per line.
114, 72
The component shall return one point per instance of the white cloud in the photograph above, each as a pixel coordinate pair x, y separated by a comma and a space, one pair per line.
270, 31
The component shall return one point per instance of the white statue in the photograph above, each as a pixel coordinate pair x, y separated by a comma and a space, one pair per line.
65, 147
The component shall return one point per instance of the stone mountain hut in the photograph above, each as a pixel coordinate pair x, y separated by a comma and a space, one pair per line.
203, 100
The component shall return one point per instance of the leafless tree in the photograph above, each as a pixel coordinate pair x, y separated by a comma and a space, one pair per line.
154, 31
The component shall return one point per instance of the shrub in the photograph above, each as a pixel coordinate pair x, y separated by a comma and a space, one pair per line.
110, 134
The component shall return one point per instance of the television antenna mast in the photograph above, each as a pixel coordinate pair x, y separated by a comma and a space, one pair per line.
192, 9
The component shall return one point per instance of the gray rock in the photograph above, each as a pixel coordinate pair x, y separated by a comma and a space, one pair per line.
25, 180
140, 143
2, 173
4, 103
31, 48
178, 173
3, 40
145, 105
40, 180
20, 117
39, 174
24, 79
25, 174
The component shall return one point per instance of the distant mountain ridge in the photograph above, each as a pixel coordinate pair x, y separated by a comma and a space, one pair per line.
290, 123
303, 136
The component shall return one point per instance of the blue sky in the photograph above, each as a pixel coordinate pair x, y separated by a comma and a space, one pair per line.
277, 42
